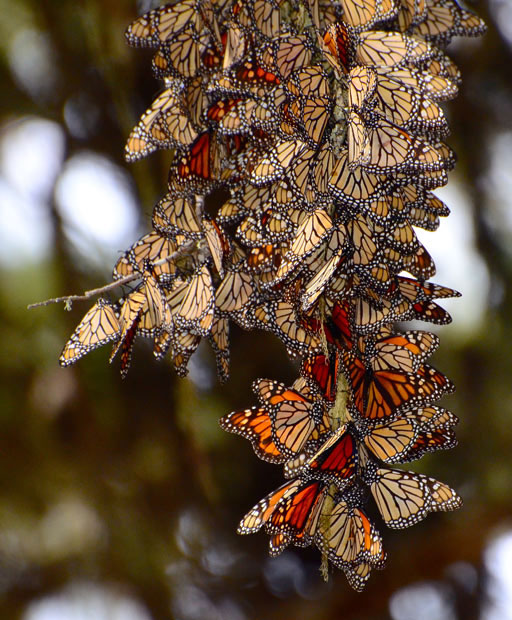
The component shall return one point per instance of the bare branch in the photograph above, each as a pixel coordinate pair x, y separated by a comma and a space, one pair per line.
68, 299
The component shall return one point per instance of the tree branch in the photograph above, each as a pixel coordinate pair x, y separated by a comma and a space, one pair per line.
68, 299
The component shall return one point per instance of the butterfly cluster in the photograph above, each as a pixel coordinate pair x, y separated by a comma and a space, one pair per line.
322, 120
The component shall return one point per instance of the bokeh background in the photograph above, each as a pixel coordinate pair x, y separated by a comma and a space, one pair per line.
120, 499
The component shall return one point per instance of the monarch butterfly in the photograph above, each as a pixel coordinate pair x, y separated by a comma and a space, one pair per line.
321, 13
254, 117
409, 436
358, 575
324, 371
405, 107
401, 236
390, 49
433, 86
129, 318
196, 310
420, 198
308, 102
447, 19
357, 187
338, 327
199, 168
310, 234
359, 232
420, 264
217, 244
339, 286
181, 57
420, 295
212, 56
435, 418
263, 259
289, 328
374, 278
335, 461
140, 143
236, 290
251, 73
410, 13
126, 349
283, 196
153, 247
156, 313
405, 498
315, 114
161, 25
272, 166
420, 291
219, 340
175, 292
230, 212
267, 17
315, 287
271, 392
362, 83
267, 227
294, 426
306, 387
441, 65
380, 394
196, 99
322, 170
288, 514
348, 538
161, 343
309, 81
99, 326
404, 352
177, 216
288, 53
336, 46
237, 120
164, 125
296, 515
277, 544
296, 419
429, 441
368, 316
382, 147
392, 441
255, 425
216, 111
423, 218
363, 15
301, 174
235, 46
251, 80
408, 299
184, 346
261, 512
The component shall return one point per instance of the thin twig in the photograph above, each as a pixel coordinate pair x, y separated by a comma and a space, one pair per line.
181, 251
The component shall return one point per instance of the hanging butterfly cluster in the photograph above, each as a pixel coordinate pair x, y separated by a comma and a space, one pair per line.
322, 120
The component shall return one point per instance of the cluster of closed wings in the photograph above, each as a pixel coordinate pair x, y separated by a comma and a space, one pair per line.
320, 120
